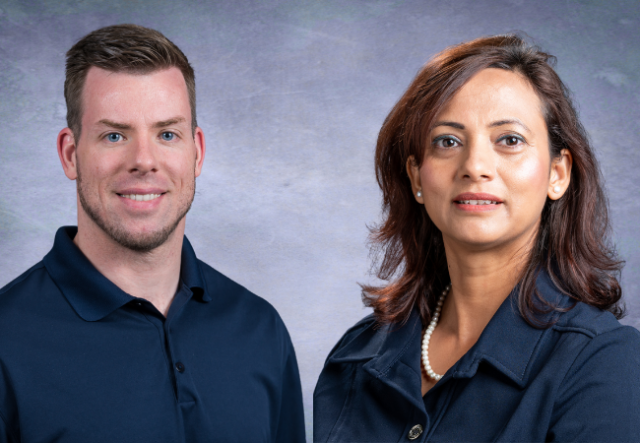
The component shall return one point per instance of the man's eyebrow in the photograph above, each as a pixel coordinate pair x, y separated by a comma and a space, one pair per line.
116, 125
512, 121
171, 121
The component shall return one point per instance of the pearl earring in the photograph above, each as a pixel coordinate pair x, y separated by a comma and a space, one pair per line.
419, 194
556, 189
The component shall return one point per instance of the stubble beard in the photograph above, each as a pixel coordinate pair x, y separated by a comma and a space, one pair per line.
118, 232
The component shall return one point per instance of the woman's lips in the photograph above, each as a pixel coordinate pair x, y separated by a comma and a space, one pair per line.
477, 201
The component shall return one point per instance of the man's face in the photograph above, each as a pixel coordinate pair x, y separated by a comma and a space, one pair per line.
137, 158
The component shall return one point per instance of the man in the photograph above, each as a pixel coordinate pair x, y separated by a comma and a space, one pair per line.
121, 334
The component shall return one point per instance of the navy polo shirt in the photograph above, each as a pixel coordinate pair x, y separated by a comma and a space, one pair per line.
82, 361
577, 381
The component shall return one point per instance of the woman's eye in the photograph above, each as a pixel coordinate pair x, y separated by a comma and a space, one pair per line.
114, 137
511, 140
167, 136
446, 142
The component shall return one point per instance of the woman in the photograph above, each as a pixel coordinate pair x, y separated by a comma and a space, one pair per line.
499, 322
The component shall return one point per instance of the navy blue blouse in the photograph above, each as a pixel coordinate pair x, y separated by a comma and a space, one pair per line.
577, 381
82, 361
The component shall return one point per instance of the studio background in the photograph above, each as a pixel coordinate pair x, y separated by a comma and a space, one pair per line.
291, 95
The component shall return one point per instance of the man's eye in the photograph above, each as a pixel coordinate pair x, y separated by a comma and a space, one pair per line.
167, 136
114, 137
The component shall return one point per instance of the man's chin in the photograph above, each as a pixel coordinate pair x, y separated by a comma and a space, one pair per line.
145, 242
136, 238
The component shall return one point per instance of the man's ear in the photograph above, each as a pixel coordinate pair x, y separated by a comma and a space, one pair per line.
67, 153
560, 176
201, 148
413, 171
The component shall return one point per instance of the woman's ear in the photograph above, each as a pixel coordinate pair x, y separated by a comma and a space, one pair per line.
413, 171
560, 175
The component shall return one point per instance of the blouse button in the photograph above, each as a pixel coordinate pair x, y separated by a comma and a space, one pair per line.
415, 432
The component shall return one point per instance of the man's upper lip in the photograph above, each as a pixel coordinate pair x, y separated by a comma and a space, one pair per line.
477, 196
140, 191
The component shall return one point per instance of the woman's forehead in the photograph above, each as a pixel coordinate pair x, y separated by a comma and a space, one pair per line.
493, 95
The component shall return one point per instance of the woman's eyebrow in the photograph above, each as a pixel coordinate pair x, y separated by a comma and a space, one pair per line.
451, 124
512, 121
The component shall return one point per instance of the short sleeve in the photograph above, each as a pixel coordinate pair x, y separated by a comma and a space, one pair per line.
599, 398
4, 431
291, 427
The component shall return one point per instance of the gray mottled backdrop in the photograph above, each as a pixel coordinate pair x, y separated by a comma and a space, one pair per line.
291, 95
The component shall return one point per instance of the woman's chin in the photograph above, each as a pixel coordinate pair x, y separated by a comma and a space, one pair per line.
478, 240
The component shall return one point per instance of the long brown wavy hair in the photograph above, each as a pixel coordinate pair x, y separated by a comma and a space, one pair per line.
572, 241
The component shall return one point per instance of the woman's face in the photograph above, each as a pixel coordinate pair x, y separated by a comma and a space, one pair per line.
487, 171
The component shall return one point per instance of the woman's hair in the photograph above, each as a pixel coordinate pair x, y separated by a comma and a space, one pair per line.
572, 240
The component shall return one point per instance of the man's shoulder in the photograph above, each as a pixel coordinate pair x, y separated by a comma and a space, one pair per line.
24, 285
231, 296
25, 300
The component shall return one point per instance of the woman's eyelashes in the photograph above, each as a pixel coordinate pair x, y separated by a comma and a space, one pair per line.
511, 140
450, 141
446, 142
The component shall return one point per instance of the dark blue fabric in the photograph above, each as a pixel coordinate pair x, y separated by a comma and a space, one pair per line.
82, 361
577, 381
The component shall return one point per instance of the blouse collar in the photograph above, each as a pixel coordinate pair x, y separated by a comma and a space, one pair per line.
508, 343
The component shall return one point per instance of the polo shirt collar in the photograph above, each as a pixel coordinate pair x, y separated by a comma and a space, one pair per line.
90, 293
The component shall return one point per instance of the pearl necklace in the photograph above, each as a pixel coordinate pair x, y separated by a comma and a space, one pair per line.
427, 336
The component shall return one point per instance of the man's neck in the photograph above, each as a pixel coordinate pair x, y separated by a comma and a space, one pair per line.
152, 275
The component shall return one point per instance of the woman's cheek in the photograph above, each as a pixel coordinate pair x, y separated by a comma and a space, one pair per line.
435, 188
527, 183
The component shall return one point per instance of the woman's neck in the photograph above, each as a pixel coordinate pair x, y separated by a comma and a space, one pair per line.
480, 282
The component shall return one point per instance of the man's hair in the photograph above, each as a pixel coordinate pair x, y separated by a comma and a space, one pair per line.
122, 48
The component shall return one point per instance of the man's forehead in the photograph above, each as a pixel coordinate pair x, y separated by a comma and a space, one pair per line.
126, 97
174, 121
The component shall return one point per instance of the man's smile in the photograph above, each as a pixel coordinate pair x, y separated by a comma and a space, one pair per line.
140, 197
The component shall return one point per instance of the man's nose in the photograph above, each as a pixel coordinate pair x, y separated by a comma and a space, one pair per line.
144, 152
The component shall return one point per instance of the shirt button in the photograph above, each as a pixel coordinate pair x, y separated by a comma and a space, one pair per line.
180, 368
415, 432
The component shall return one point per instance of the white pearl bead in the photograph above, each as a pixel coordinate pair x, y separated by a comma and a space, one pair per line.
427, 336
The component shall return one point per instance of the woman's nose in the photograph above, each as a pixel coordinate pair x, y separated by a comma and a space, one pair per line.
478, 160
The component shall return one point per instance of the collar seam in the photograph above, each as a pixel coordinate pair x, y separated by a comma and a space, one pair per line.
399, 354
578, 329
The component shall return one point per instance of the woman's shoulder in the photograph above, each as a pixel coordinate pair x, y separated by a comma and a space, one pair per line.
581, 320
368, 339
362, 330
594, 322
603, 348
